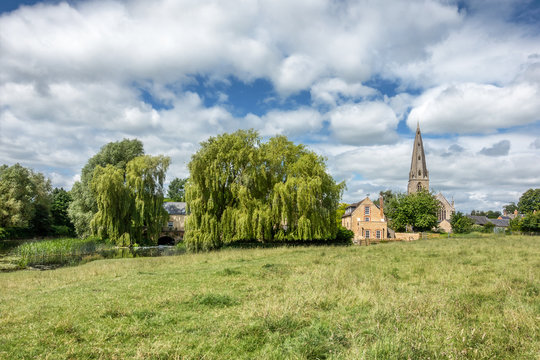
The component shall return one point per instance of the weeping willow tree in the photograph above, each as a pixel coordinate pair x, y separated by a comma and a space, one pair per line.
243, 189
129, 202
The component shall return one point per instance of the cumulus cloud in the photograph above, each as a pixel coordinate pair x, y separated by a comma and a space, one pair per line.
71, 75
475, 108
365, 123
499, 149
335, 90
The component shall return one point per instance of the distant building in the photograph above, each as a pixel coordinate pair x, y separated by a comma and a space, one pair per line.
419, 180
173, 231
366, 220
500, 224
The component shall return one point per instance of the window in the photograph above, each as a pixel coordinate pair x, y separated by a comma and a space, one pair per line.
419, 187
366, 210
378, 234
170, 224
419, 172
367, 234
366, 219
418, 157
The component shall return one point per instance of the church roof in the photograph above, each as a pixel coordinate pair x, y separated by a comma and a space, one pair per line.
418, 161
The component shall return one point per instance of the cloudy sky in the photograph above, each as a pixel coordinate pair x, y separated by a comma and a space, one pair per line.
351, 79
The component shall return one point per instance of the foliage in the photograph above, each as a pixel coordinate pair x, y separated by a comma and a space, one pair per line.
24, 198
530, 223
461, 224
490, 214
83, 207
510, 208
344, 235
418, 210
130, 201
56, 251
60, 200
243, 189
339, 212
529, 201
176, 190
459, 298
488, 227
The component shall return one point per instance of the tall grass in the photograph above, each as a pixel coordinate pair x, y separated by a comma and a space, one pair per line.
457, 298
56, 251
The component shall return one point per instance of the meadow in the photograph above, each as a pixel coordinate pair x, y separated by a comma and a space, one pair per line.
453, 298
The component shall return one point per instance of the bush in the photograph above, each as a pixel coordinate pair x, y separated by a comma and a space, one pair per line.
488, 228
3, 234
61, 230
344, 235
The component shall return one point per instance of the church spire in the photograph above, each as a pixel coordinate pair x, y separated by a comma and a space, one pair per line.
418, 175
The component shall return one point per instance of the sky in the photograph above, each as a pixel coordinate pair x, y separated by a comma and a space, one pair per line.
349, 79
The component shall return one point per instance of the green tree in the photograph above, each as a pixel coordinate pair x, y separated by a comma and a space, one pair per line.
510, 208
418, 210
130, 201
60, 200
84, 206
529, 201
461, 224
339, 212
24, 198
176, 190
243, 189
530, 222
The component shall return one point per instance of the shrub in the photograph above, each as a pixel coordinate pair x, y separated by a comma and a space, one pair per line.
488, 228
3, 234
344, 235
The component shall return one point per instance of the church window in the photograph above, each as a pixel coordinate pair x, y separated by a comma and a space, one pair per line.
419, 157
366, 210
419, 187
419, 172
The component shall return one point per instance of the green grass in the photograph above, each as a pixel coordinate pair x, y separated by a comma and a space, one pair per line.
456, 298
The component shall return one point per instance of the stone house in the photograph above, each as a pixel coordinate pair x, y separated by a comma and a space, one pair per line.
173, 231
366, 220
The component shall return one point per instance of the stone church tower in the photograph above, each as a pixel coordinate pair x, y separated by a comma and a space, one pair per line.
419, 175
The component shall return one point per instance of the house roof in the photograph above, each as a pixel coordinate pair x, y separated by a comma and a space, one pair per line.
500, 222
175, 208
478, 220
355, 205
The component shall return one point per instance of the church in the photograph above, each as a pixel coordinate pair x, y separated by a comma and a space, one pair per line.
419, 180
366, 219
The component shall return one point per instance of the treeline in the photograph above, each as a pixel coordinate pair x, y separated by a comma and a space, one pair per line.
29, 206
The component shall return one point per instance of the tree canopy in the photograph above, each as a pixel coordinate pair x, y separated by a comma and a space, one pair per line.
418, 210
24, 198
83, 207
461, 224
529, 201
130, 201
241, 188
176, 190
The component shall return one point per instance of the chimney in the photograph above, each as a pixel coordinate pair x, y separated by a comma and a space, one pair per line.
381, 207
515, 212
505, 213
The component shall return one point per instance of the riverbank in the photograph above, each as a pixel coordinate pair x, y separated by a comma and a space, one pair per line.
440, 298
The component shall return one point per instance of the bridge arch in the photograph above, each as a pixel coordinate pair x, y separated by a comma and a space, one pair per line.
166, 240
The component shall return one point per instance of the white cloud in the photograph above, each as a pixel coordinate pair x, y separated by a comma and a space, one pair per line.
475, 108
335, 90
293, 122
365, 123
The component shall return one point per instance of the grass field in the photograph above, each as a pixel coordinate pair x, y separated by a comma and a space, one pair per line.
442, 298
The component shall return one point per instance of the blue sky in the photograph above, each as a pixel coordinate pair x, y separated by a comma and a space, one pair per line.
350, 79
